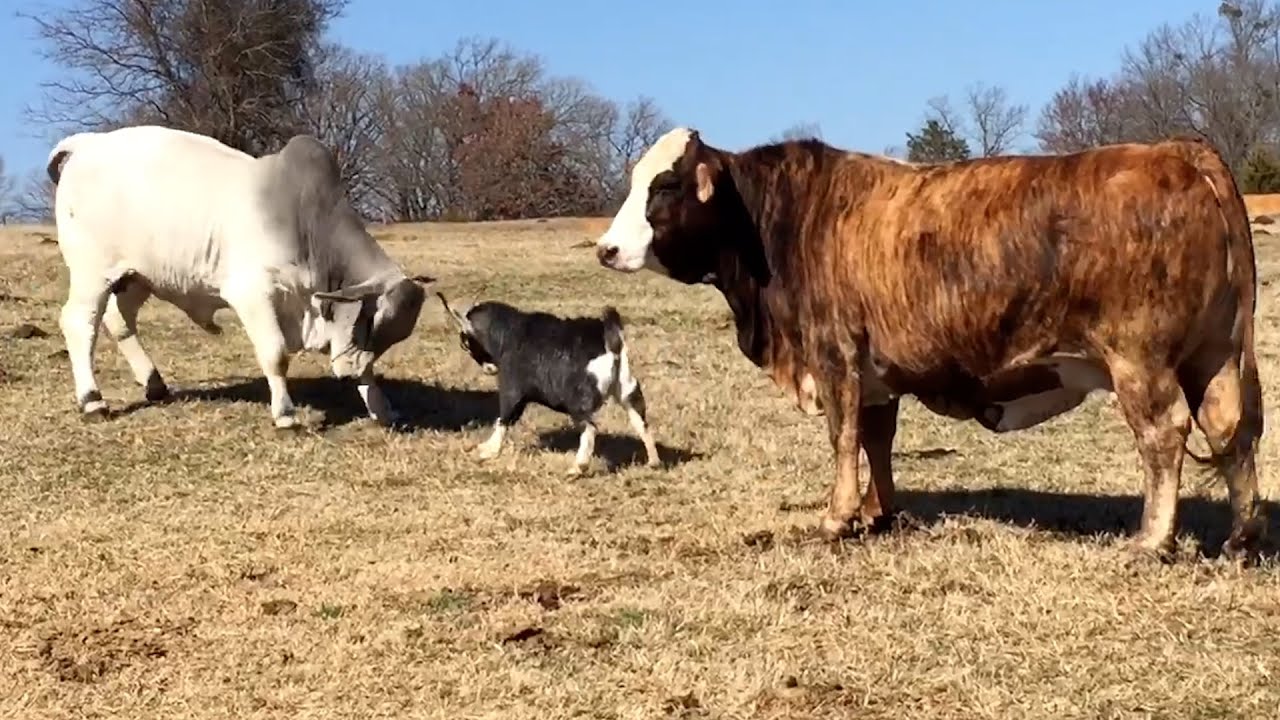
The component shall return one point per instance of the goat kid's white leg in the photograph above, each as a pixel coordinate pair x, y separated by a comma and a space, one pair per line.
634, 405
489, 449
79, 323
375, 401
262, 326
586, 448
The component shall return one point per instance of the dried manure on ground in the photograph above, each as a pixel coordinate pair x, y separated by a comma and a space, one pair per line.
182, 560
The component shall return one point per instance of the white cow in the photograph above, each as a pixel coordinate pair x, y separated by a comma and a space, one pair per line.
149, 210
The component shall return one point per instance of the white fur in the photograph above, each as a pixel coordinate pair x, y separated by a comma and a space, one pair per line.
630, 231
601, 368
184, 213
1079, 378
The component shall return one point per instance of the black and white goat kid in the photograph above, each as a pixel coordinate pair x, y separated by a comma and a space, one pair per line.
570, 365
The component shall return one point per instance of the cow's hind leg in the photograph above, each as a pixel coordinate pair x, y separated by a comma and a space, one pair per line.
79, 319
121, 322
1227, 405
1157, 412
263, 328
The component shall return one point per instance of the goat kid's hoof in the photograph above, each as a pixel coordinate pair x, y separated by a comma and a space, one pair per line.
287, 422
576, 471
484, 454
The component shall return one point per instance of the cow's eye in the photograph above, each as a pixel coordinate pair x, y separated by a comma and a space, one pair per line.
666, 183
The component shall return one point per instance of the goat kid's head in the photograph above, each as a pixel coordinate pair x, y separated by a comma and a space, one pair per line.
468, 338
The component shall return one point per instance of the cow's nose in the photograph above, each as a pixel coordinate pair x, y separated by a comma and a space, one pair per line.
606, 253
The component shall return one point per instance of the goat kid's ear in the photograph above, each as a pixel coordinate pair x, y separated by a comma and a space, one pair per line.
423, 279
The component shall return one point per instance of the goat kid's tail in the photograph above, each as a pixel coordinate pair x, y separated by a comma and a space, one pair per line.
612, 330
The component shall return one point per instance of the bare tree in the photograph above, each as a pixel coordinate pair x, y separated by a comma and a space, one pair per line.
484, 132
1086, 113
33, 202
635, 128
987, 120
236, 70
1216, 76
996, 123
6, 193
343, 112
800, 131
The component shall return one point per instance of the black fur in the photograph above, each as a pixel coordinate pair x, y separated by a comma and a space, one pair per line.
542, 358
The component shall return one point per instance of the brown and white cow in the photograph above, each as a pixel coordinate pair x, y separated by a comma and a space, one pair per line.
1002, 290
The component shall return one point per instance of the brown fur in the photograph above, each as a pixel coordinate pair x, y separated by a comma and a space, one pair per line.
944, 281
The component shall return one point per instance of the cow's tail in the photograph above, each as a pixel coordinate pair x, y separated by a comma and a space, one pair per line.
61, 153
1244, 279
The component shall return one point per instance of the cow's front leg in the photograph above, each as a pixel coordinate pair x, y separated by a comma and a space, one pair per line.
842, 424
375, 401
263, 328
877, 425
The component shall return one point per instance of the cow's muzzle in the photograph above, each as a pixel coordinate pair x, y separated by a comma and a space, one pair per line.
607, 254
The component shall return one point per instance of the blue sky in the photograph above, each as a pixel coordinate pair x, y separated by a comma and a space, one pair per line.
740, 71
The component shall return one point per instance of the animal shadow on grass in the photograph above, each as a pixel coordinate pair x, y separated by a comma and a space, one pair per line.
421, 406
616, 450
1080, 515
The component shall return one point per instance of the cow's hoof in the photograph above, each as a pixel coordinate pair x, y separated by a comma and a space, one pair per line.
833, 530
876, 524
1242, 545
94, 411
157, 393
1146, 549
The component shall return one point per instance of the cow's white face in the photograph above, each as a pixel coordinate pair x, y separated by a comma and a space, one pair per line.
628, 243
349, 328
361, 323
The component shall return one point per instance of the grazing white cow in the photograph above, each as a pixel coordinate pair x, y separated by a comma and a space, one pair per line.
149, 210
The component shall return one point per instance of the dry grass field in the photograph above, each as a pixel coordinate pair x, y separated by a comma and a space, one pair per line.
186, 560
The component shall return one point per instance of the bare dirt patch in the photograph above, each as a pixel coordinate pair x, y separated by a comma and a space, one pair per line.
184, 560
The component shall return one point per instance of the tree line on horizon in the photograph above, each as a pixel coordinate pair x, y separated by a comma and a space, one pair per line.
484, 131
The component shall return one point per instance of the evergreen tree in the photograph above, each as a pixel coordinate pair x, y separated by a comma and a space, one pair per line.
936, 143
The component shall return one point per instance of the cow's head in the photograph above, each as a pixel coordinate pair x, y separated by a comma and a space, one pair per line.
470, 338
363, 321
680, 215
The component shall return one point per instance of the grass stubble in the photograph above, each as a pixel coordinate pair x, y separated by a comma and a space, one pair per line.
186, 560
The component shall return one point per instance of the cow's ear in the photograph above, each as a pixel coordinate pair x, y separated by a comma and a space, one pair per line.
706, 186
